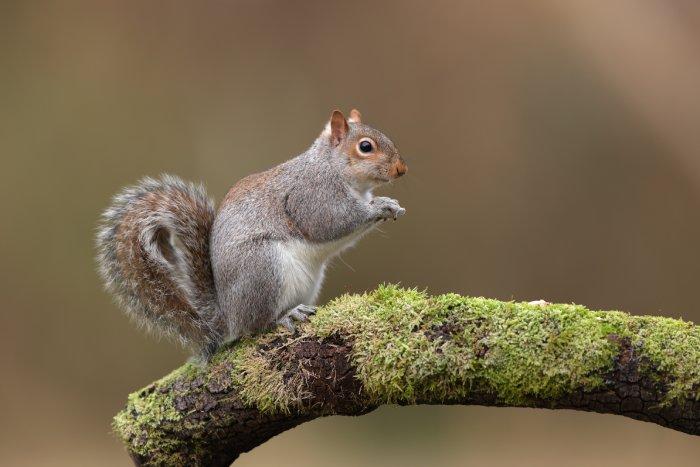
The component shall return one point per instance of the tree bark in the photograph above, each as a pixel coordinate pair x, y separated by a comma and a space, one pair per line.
402, 346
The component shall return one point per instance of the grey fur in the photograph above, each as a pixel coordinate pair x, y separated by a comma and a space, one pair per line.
304, 211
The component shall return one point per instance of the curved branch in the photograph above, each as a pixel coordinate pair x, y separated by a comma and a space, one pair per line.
402, 346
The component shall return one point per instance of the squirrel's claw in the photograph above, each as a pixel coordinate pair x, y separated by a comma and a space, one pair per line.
299, 313
304, 309
287, 323
387, 208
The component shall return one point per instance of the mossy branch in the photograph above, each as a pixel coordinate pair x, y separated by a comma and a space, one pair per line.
405, 347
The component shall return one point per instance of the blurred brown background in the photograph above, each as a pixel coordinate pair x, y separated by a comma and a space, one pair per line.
554, 153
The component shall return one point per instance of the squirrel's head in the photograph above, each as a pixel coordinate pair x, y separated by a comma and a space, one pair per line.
365, 154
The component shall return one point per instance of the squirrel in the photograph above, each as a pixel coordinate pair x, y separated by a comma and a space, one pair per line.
208, 277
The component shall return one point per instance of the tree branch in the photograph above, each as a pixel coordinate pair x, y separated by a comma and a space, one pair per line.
402, 346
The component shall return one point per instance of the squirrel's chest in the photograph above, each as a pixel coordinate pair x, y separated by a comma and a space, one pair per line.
301, 268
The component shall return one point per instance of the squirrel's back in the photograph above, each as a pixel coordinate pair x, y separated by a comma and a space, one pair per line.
153, 254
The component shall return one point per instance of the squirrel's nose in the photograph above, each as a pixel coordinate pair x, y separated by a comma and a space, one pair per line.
400, 168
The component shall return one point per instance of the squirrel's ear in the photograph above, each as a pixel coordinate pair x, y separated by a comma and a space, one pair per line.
355, 116
338, 127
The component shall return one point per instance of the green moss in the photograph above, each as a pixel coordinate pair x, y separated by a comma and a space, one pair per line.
411, 347
262, 378
187, 372
138, 425
672, 346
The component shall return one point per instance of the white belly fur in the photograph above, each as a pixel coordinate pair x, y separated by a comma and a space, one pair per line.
301, 267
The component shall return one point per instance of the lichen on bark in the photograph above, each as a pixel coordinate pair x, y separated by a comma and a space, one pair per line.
395, 345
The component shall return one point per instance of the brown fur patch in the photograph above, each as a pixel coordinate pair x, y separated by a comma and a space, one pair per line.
162, 296
247, 185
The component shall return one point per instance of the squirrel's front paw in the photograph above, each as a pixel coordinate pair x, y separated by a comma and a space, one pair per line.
387, 208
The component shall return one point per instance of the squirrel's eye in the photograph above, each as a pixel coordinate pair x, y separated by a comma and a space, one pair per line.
365, 146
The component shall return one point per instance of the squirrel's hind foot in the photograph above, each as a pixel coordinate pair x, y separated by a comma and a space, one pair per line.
299, 313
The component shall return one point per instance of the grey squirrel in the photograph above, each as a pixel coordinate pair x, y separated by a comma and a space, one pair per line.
205, 277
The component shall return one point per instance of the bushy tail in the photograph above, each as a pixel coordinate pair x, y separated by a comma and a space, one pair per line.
153, 254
